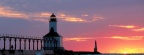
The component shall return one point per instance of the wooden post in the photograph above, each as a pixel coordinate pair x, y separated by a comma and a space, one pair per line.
29, 44
33, 43
4, 42
15, 43
37, 44
20, 43
10, 43
24, 44
41, 44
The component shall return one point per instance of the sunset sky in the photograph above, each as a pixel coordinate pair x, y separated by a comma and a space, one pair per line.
116, 25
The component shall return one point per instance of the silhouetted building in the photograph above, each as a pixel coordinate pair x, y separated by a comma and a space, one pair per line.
57, 42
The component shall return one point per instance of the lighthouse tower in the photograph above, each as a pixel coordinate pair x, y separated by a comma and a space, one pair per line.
53, 22
53, 40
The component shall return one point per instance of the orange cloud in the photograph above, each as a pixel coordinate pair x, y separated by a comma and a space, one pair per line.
76, 39
62, 15
74, 19
43, 16
124, 26
71, 18
85, 15
41, 19
127, 37
8, 12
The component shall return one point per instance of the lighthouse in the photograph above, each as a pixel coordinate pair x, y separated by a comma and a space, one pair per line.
53, 40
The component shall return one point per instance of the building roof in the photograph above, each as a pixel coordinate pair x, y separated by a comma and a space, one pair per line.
53, 15
52, 34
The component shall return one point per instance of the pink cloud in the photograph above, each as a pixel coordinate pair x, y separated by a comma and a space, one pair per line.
124, 26
78, 39
131, 27
127, 37
138, 29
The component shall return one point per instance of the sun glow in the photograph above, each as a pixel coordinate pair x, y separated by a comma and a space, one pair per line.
129, 50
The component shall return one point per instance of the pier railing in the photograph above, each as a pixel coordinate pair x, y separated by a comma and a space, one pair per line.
20, 38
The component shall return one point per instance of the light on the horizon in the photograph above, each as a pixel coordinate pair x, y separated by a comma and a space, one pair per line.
128, 50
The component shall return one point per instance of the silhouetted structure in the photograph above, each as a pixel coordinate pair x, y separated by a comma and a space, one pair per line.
51, 41
95, 48
56, 39
20, 39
